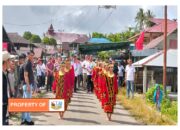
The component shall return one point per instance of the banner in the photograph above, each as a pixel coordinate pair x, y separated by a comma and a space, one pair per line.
35, 105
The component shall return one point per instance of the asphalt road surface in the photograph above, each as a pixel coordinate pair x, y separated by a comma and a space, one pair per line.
84, 109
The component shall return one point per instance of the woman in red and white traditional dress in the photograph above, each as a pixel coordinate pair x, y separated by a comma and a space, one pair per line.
111, 92
59, 89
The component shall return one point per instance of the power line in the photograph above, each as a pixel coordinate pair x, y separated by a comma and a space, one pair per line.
105, 20
25, 25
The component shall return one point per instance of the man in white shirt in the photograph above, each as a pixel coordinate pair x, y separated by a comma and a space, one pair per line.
129, 78
89, 68
77, 67
41, 68
120, 74
84, 66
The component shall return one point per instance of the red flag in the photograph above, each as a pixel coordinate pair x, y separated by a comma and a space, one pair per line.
139, 42
5, 46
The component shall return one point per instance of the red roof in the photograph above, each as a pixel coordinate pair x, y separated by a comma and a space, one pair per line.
70, 37
159, 25
171, 27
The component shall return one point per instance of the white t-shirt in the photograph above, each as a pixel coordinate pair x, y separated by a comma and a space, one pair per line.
130, 70
90, 67
120, 71
40, 69
77, 67
84, 65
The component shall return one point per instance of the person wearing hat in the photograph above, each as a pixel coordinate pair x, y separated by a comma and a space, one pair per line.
6, 56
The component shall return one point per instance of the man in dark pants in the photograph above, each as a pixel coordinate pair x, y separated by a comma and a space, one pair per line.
6, 55
50, 69
90, 67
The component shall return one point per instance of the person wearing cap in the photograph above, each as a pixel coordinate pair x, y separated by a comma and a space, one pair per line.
6, 56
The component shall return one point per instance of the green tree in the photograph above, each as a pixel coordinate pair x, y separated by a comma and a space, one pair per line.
140, 19
52, 41
103, 55
27, 35
97, 35
149, 15
35, 39
46, 40
143, 19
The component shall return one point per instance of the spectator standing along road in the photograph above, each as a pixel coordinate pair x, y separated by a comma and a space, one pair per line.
27, 87
129, 78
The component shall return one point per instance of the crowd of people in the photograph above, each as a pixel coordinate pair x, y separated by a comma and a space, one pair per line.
23, 77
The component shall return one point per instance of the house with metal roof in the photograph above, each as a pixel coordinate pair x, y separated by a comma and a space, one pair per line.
7, 44
64, 39
150, 70
154, 38
18, 40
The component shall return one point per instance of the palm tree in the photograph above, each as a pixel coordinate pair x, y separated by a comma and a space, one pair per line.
140, 17
149, 15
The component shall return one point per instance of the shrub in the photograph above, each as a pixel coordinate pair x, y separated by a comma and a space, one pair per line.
169, 108
150, 93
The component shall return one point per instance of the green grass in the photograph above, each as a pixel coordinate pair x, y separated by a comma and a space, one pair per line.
143, 111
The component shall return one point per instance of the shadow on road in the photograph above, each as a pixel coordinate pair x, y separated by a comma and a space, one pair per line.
125, 122
82, 97
81, 120
82, 111
40, 114
80, 101
37, 119
82, 106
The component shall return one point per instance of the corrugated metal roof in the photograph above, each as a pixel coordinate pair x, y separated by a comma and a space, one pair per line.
69, 37
141, 62
157, 59
16, 38
159, 27
171, 59
99, 40
146, 52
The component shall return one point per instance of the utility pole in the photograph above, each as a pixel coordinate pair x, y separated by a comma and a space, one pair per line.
165, 48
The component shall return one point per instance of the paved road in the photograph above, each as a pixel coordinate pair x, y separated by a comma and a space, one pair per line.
85, 109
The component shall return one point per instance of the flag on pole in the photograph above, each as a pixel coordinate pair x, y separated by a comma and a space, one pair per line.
139, 42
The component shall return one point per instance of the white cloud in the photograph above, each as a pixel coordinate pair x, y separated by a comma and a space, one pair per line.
79, 19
